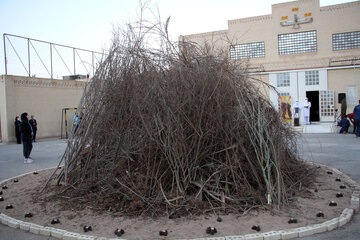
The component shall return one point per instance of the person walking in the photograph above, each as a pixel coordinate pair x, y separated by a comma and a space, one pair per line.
306, 106
33, 124
17, 130
26, 137
357, 119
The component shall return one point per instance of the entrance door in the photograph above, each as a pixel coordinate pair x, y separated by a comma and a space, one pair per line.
313, 97
327, 105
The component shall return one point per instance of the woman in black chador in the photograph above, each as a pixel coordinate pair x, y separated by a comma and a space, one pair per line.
26, 137
17, 130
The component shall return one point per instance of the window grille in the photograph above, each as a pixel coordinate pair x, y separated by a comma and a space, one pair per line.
327, 103
348, 40
283, 79
247, 50
311, 78
301, 42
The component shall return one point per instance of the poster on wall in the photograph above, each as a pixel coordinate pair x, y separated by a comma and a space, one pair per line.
351, 95
285, 108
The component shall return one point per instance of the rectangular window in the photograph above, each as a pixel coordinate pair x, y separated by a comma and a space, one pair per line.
311, 78
283, 79
348, 40
281, 94
301, 42
247, 50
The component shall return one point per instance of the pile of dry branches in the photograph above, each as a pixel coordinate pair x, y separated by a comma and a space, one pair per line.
177, 130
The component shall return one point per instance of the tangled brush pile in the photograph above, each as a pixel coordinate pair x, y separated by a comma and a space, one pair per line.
177, 130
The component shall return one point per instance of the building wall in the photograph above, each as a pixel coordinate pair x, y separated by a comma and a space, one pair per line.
342, 80
330, 64
261, 81
43, 98
326, 21
218, 41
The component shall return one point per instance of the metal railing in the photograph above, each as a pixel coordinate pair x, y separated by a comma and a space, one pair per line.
53, 48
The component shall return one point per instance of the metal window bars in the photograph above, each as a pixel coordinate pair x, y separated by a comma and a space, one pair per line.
52, 46
300, 42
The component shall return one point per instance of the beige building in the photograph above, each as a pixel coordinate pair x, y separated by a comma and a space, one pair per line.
301, 49
44, 98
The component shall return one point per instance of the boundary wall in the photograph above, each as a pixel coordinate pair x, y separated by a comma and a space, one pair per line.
41, 97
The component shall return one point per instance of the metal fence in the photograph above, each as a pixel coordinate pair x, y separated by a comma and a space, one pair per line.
32, 57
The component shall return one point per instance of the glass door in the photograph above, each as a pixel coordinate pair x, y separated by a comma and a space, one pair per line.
326, 105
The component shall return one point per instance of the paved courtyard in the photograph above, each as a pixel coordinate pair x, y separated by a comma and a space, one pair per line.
335, 150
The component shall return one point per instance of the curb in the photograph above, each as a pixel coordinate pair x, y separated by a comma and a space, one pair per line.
326, 226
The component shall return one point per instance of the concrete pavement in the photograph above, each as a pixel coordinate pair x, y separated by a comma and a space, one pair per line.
342, 152
335, 150
46, 154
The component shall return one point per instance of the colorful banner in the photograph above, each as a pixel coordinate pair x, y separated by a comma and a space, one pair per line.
285, 108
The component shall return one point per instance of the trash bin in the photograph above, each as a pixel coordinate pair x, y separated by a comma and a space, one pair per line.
297, 117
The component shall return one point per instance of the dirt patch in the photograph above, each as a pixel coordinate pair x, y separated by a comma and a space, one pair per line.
303, 206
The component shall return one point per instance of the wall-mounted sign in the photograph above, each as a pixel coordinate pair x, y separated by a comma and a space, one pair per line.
297, 21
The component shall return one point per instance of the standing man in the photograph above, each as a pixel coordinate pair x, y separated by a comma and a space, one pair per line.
357, 119
33, 124
26, 137
307, 105
75, 122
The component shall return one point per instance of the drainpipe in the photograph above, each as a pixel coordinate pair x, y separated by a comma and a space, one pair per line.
297, 86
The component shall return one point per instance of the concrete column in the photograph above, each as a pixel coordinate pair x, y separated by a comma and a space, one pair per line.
3, 119
7, 103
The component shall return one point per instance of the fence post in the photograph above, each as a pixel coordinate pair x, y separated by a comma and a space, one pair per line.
5, 54
74, 61
51, 62
29, 56
93, 67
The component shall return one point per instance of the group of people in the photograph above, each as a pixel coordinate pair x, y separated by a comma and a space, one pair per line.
354, 118
305, 106
25, 131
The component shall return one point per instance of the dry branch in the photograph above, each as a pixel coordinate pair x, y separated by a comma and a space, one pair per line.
157, 122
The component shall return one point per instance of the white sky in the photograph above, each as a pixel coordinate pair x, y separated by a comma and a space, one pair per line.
88, 23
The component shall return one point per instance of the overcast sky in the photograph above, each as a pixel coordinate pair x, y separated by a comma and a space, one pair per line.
88, 23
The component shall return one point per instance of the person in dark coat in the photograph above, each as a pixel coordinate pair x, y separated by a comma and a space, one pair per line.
33, 124
26, 137
17, 130
345, 124
357, 119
